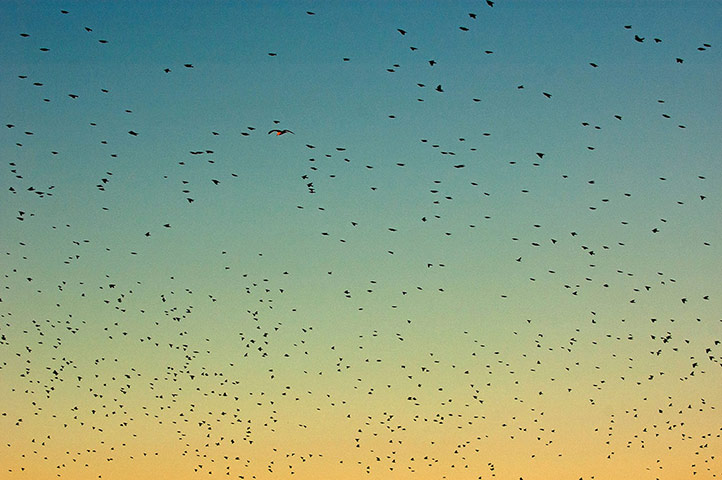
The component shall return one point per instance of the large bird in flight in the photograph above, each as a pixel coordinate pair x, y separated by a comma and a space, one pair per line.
279, 132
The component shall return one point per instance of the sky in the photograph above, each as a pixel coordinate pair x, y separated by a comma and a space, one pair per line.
488, 247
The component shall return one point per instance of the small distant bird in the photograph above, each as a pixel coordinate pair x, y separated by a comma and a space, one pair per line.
188, 65
279, 132
638, 38
131, 132
490, 3
439, 89
402, 32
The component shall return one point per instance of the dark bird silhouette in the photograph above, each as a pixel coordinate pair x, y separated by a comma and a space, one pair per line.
279, 132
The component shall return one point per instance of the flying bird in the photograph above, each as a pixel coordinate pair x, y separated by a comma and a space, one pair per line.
279, 132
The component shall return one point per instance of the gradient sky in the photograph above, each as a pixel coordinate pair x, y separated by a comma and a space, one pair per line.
517, 276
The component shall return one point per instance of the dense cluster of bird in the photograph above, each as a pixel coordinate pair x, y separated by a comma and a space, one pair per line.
342, 312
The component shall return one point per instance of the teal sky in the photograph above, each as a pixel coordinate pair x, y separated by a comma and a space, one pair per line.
515, 276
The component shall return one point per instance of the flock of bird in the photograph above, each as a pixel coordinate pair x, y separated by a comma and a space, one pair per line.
436, 311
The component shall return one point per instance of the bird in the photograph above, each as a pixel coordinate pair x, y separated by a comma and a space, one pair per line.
279, 132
